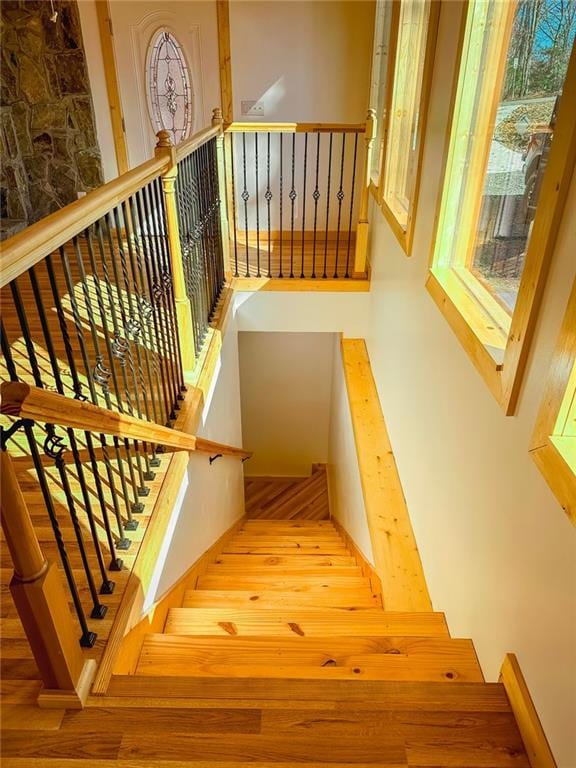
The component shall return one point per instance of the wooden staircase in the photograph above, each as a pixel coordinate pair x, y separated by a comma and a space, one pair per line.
288, 600
288, 626
281, 654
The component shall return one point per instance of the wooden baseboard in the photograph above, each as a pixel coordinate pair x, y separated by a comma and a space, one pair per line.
535, 741
155, 618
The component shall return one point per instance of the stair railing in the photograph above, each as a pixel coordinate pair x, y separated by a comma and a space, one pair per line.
36, 587
95, 307
298, 198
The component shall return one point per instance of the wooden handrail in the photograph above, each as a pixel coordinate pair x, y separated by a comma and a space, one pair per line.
295, 128
27, 402
31, 245
186, 148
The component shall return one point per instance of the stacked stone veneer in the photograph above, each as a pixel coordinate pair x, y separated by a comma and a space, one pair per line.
48, 137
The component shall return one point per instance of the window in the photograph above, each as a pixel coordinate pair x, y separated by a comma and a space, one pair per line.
508, 167
403, 64
168, 86
380, 66
554, 440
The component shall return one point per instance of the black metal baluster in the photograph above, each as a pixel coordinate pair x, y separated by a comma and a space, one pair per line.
347, 273
245, 197
115, 563
217, 217
141, 246
324, 274
281, 234
257, 207
194, 235
157, 290
140, 301
340, 197
316, 197
174, 359
203, 292
233, 189
305, 179
102, 374
132, 324
292, 195
173, 337
88, 638
123, 542
268, 197
107, 586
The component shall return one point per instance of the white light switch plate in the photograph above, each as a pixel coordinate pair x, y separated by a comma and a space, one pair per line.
251, 108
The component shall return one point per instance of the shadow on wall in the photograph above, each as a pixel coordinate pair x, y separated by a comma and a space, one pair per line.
48, 137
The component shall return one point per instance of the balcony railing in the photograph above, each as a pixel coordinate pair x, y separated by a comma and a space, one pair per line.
106, 306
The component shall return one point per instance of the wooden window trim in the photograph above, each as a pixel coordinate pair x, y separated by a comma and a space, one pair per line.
546, 445
405, 235
502, 368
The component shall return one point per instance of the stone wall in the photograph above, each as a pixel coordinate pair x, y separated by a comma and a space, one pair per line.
48, 136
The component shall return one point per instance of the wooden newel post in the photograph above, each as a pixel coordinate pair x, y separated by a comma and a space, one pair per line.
42, 604
165, 148
362, 227
218, 120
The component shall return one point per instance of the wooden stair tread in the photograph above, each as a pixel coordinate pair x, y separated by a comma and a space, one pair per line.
275, 582
261, 599
302, 572
298, 561
374, 658
302, 622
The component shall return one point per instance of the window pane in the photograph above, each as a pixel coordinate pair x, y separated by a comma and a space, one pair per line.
380, 59
536, 63
169, 91
401, 149
513, 69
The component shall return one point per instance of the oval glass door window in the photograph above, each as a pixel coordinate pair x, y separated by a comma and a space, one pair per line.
169, 87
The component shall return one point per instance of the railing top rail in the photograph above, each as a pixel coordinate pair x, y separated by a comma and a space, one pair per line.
27, 402
295, 128
25, 249
186, 148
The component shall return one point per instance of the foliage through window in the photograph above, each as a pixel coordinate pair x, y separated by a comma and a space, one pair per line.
516, 58
508, 170
169, 87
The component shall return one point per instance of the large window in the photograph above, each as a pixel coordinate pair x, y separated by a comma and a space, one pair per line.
403, 59
169, 87
554, 441
508, 167
379, 87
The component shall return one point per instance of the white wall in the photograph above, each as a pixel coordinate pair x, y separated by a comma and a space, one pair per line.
294, 311
95, 64
305, 61
212, 496
346, 499
285, 385
498, 552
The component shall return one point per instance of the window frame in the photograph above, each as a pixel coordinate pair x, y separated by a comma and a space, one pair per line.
405, 234
497, 342
558, 474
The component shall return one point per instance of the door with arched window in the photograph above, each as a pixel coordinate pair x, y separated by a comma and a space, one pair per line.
168, 72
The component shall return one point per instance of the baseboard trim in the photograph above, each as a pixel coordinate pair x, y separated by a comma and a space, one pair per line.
535, 741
